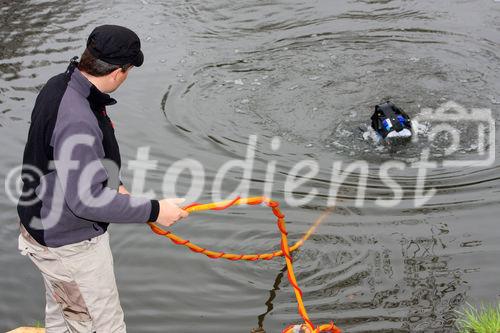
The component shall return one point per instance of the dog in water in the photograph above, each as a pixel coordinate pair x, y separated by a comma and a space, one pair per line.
391, 124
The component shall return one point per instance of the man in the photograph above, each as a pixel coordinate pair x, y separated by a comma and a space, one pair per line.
70, 167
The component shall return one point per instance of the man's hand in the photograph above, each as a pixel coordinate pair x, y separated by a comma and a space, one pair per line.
170, 212
123, 190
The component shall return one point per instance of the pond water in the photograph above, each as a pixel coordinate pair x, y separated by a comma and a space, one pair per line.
309, 72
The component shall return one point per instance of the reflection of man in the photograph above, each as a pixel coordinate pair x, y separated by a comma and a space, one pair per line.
63, 228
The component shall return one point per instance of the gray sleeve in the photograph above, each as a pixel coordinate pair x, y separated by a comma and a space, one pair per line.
77, 157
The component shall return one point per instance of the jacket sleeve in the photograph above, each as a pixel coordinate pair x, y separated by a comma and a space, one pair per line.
78, 152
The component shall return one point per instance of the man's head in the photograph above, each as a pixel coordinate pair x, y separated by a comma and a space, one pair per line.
110, 54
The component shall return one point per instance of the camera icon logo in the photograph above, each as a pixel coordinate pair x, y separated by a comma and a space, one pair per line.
454, 131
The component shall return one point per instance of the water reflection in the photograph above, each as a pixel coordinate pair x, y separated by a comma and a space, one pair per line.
417, 287
437, 288
269, 302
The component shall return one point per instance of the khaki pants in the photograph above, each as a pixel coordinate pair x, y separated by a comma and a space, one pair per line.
81, 293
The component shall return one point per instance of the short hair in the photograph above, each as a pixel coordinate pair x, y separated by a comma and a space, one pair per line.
96, 67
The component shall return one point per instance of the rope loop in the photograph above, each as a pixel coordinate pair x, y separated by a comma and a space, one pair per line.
286, 250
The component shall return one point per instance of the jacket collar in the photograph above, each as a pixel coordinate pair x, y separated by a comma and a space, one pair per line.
84, 87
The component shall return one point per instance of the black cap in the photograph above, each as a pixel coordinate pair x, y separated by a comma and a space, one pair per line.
115, 45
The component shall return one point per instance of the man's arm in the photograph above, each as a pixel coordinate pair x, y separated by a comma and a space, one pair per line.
77, 153
77, 157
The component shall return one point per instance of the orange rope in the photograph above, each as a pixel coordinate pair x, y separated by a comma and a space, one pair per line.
308, 326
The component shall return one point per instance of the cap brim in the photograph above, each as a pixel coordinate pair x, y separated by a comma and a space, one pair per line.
139, 60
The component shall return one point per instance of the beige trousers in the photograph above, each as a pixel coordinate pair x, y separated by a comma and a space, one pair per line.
80, 287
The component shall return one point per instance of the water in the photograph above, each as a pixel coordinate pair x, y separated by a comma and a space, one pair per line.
309, 72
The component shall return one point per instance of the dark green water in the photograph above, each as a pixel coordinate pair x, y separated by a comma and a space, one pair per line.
311, 73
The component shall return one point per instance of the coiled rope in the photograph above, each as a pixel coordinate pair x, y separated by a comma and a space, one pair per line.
307, 326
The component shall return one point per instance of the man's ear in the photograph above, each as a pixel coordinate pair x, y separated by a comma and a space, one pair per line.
114, 74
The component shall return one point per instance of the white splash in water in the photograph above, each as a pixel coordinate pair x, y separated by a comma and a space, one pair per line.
419, 128
370, 135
